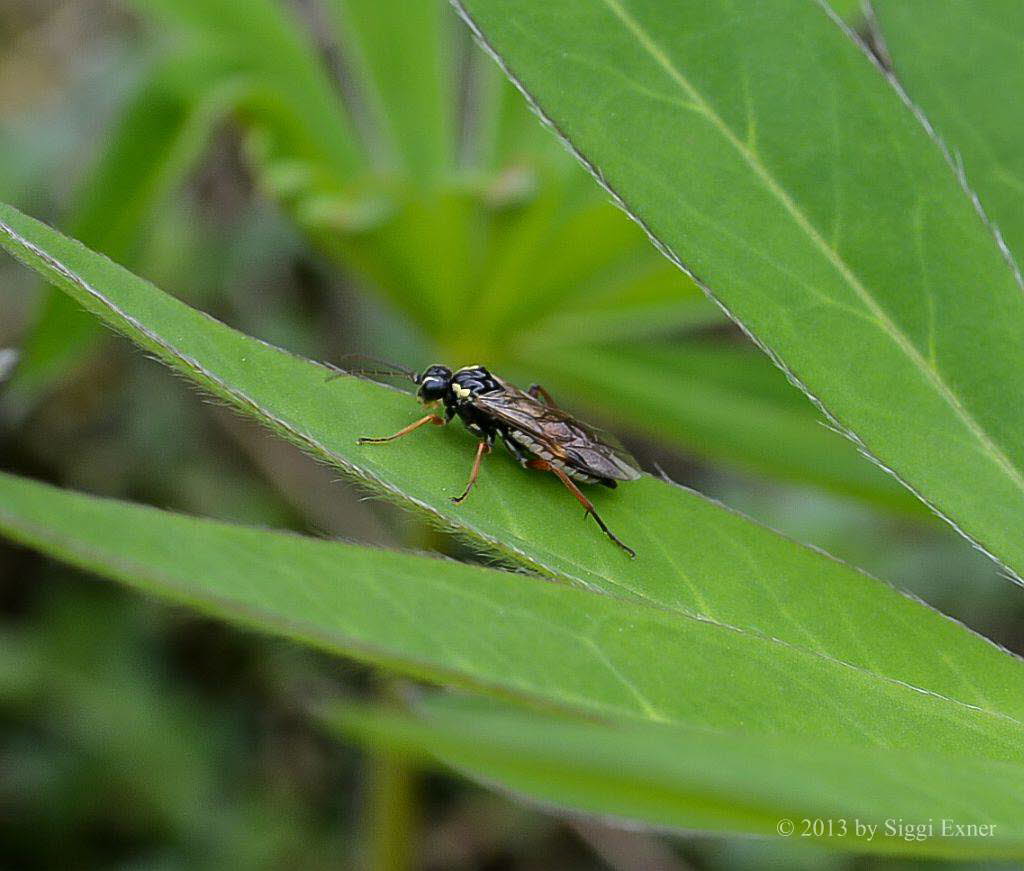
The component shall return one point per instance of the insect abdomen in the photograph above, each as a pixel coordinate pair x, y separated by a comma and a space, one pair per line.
538, 450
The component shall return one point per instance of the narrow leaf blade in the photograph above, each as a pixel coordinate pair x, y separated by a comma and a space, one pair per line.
503, 633
685, 778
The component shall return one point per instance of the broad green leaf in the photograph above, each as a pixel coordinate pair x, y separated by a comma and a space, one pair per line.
723, 402
688, 778
160, 135
963, 63
505, 634
767, 153
695, 558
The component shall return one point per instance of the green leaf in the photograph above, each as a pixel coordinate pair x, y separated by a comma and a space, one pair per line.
503, 633
723, 402
696, 560
693, 779
515, 636
391, 609
770, 155
962, 63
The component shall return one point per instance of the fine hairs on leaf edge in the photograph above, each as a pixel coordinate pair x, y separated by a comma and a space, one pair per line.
674, 258
952, 156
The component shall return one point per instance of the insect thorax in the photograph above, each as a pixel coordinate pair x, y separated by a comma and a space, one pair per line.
470, 381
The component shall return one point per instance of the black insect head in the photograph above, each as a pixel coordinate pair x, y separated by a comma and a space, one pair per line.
433, 382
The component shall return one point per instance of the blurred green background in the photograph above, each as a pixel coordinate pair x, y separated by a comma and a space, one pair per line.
333, 177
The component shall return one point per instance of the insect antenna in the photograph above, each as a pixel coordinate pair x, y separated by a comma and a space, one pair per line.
362, 364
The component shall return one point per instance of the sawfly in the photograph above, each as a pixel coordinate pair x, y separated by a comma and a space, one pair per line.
537, 433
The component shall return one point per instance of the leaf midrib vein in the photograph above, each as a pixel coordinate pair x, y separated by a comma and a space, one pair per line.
648, 44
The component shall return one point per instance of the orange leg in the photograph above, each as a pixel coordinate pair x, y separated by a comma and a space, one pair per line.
482, 448
545, 466
538, 392
430, 418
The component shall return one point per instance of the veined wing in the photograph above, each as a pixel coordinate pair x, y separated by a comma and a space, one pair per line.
570, 440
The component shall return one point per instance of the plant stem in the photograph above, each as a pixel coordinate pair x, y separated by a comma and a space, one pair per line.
390, 813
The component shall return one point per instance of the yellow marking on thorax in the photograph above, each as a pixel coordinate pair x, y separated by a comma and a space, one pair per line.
460, 391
